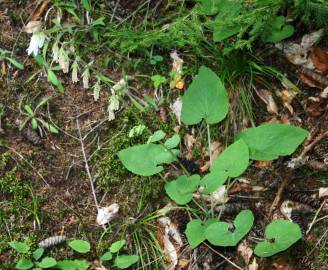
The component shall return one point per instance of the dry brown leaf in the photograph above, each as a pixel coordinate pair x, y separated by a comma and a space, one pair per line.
308, 81
245, 251
281, 264
37, 14
267, 97
320, 59
32, 26
287, 96
323, 192
318, 78
254, 265
261, 164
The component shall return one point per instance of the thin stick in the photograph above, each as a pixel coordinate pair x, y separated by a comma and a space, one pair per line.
278, 196
315, 218
224, 257
86, 164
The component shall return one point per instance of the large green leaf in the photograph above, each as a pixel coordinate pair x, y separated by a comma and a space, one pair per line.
20, 246
181, 189
205, 99
47, 262
195, 231
269, 141
80, 246
125, 261
24, 264
212, 181
281, 234
233, 161
224, 24
144, 159
278, 30
219, 233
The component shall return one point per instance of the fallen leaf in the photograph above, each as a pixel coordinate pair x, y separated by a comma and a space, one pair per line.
320, 59
308, 81
261, 164
254, 265
323, 192
245, 251
220, 196
320, 79
32, 26
176, 72
297, 53
267, 98
106, 214
171, 240
287, 96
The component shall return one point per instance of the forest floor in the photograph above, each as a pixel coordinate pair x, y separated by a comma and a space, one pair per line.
45, 176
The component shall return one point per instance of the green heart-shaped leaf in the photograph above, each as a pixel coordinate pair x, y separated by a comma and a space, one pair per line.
281, 235
125, 261
80, 246
19, 246
116, 246
269, 141
181, 190
278, 30
47, 262
144, 159
219, 234
212, 181
195, 231
206, 99
24, 264
233, 161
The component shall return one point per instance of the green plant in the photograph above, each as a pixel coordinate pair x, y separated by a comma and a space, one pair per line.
265, 142
36, 121
6, 55
30, 259
121, 261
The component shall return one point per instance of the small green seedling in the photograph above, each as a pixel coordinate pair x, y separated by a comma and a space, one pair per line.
121, 261
158, 80
155, 59
280, 235
36, 121
31, 259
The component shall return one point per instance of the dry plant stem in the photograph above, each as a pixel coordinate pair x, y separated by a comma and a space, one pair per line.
315, 218
278, 196
86, 164
311, 145
224, 257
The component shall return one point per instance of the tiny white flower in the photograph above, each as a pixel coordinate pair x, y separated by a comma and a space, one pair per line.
96, 90
63, 60
85, 78
75, 69
114, 103
55, 52
36, 43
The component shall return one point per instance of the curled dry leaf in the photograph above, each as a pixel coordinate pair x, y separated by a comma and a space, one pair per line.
220, 196
171, 241
32, 26
267, 98
320, 79
287, 96
286, 209
320, 59
245, 251
297, 53
106, 214
261, 164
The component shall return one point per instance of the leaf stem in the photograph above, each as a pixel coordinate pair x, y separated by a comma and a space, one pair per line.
209, 143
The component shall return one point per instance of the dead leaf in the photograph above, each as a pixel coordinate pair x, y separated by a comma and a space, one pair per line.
267, 98
318, 78
170, 238
323, 192
308, 81
245, 251
281, 264
37, 14
261, 164
176, 108
297, 53
106, 214
320, 59
287, 96
254, 265
32, 26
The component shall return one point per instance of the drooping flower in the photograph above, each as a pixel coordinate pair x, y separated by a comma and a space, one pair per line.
75, 69
63, 59
36, 43
85, 78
